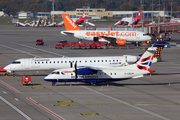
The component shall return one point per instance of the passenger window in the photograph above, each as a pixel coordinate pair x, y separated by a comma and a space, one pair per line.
105, 60
102, 60
109, 60
85, 61
57, 61
114, 73
80, 61
111, 73
61, 61
113, 60
38, 62
54, 61
65, 61
42, 62
49, 61
117, 60
46, 62
94, 60
98, 60
35, 62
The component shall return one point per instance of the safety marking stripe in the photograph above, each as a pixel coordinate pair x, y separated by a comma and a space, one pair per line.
37, 49
15, 108
44, 108
20, 51
10, 87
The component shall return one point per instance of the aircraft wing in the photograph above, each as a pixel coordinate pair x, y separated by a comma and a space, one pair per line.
86, 70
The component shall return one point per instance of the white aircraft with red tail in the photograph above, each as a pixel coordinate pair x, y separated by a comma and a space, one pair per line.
129, 20
80, 21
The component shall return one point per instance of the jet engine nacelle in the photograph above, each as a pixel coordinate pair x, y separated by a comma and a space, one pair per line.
131, 59
121, 42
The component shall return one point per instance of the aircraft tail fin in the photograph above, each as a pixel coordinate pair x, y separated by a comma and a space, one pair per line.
69, 23
139, 15
159, 49
83, 15
146, 59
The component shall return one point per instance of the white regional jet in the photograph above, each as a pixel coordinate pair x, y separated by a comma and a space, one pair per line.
38, 64
96, 74
117, 37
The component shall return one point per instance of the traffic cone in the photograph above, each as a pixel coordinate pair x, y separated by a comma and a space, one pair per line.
70, 85
169, 84
107, 85
49, 45
101, 87
150, 75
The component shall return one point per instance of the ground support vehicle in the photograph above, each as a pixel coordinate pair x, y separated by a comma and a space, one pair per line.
97, 45
39, 42
63, 44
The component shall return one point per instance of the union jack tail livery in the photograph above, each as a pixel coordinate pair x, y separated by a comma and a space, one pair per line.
146, 59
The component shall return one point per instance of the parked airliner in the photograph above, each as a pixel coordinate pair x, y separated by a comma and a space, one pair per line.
80, 21
116, 37
129, 20
96, 74
37, 64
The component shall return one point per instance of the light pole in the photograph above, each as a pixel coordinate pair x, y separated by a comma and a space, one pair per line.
142, 15
152, 12
171, 9
159, 17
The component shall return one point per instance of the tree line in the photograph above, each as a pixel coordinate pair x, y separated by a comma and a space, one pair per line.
14, 6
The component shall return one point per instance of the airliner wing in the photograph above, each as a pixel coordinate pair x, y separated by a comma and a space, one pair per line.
87, 70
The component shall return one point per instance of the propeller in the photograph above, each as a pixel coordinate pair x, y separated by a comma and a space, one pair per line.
71, 64
75, 66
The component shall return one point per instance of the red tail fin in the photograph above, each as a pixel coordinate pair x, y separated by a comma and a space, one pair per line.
139, 15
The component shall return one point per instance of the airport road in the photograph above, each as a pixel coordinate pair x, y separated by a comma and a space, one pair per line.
152, 97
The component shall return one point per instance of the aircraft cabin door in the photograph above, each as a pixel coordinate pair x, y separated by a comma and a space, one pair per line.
81, 35
66, 75
137, 35
26, 63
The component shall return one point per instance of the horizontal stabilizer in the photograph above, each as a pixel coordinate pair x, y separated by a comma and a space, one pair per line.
139, 76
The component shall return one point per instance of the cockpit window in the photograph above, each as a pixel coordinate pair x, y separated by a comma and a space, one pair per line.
144, 34
16, 62
55, 73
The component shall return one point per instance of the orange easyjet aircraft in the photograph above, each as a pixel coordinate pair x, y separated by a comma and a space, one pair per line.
118, 37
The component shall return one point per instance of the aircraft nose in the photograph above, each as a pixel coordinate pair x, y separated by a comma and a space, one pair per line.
6, 68
149, 37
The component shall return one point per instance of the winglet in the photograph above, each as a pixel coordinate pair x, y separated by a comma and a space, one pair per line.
69, 23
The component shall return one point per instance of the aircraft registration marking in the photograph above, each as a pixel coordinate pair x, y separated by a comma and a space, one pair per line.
89, 114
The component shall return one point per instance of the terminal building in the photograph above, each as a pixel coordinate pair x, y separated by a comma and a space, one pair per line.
98, 13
